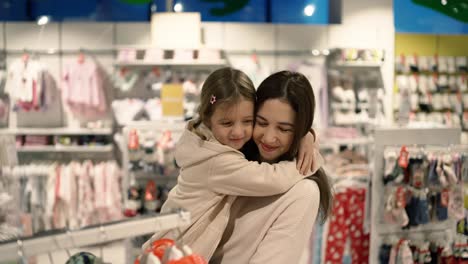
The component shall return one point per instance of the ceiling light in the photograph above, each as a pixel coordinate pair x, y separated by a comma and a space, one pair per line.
178, 7
42, 20
309, 10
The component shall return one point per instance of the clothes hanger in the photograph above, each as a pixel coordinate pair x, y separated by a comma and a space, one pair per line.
51, 259
20, 252
103, 235
81, 56
344, 183
25, 56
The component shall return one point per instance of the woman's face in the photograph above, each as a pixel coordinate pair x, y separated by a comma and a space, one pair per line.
274, 129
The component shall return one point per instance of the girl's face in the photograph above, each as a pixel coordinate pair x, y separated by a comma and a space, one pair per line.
274, 129
232, 124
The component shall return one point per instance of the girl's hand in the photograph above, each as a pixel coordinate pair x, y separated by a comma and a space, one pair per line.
306, 155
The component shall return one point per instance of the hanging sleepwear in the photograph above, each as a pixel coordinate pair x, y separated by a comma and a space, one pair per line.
347, 220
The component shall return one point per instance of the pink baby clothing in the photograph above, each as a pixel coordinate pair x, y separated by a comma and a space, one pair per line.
83, 89
85, 193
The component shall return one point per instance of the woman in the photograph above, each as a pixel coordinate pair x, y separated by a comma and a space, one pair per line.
276, 229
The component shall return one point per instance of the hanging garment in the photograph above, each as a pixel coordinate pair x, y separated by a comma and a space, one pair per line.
125, 80
50, 113
64, 196
347, 222
126, 110
4, 111
24, 82
83, 89
85, 194
318, 242
316, 74
256, 71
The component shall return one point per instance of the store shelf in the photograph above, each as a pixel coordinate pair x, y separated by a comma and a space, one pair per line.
142, 64
57, 131
95, 149
150, 175
364, 64
163, 124
429, 73
332, 142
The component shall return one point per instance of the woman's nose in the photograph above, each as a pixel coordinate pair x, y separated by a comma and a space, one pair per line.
269, 136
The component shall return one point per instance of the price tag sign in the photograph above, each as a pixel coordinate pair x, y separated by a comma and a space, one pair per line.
172, 100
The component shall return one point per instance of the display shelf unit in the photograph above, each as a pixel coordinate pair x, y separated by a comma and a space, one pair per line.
176, 127
159, 125
355, 89
363, 64
335, 143
62, 240
174, 63
90, 149
394, 137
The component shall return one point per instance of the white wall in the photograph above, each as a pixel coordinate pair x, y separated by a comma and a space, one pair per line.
365, 24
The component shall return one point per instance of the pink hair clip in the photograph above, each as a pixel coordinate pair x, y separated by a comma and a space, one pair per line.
213, 99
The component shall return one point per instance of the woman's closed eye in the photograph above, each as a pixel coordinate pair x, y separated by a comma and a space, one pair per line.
285, 130
261, 123
248, 122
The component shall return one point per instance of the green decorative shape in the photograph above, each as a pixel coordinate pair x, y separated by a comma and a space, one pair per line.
457, 9
230, 6
136, 2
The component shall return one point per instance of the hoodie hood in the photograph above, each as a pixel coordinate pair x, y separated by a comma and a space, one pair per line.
197, 144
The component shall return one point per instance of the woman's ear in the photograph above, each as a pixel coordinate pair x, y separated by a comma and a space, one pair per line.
312, 131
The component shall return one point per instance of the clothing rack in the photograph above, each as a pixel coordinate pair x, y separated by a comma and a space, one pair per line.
177, 127
60, 51
311, 52
41, 168
335, 143
397, 137
113, 51
428, 148
25, 247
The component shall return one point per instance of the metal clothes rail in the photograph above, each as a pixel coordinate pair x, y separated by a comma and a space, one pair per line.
92, 235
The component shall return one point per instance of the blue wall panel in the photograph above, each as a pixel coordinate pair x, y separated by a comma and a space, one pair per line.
429, 20
89, 10
294, 11
227, 10
13, 10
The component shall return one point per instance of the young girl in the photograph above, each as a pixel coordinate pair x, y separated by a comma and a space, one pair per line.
214, 171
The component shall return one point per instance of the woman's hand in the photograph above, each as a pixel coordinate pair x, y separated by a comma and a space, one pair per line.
306, 155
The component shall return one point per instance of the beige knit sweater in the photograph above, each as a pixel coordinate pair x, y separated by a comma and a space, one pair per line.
212, 175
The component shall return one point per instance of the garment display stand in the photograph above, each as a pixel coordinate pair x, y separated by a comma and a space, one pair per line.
355, 87
63, 240
397, 137
175, 126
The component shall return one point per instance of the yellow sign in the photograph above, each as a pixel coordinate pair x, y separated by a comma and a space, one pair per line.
172, 100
